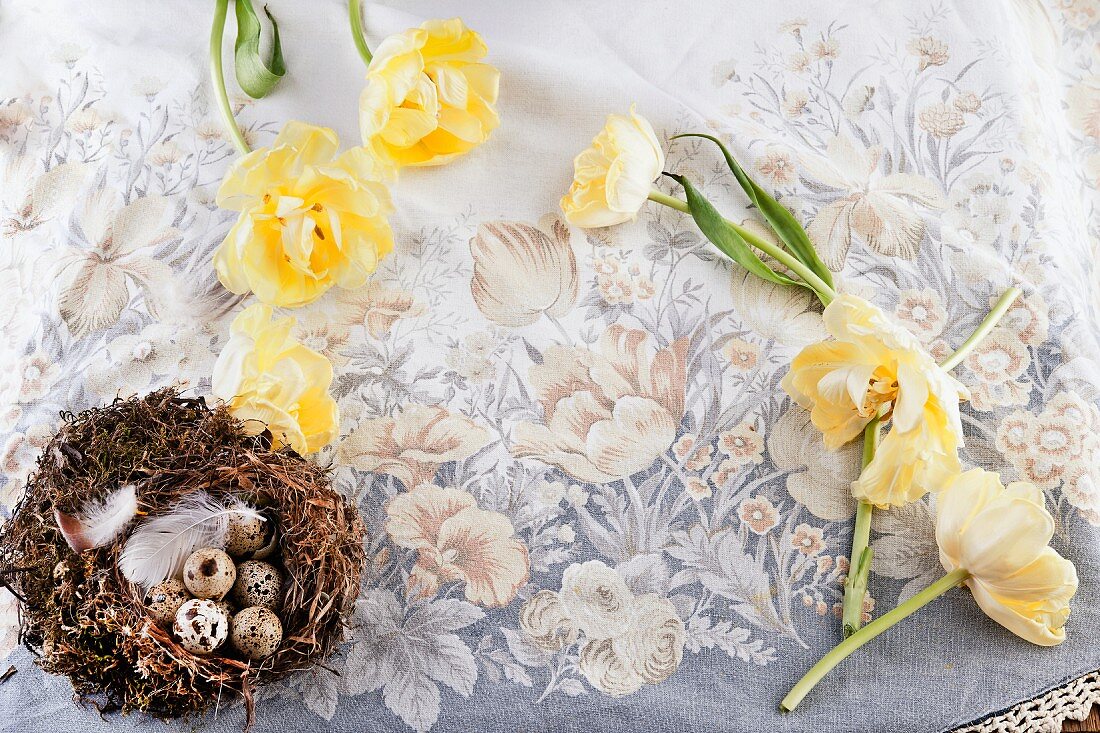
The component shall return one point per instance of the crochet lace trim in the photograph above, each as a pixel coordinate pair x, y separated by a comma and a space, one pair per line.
1046, 713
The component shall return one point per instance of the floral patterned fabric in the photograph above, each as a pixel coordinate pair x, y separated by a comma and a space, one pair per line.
590, 504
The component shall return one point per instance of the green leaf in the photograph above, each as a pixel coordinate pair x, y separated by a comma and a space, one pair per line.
256, 78
724, 237
785, 226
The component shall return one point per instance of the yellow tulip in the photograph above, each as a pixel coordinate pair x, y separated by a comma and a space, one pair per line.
613, 177
1000, 535
875, 367
271, 381
309, 220
428, 98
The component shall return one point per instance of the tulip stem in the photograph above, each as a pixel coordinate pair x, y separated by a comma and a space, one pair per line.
859, 563
841, 651
999, 309
217, 30
824, 292
355, 18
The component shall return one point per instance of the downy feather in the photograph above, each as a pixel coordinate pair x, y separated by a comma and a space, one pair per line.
98, 522
158, 548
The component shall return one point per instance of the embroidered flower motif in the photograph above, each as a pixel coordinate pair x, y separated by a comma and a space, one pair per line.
967, 103
776, 165
597, 599
929, 50
827, 49
922, 312
941, 120
610, 413
376, 307
808, 540
794, 104
455, 540
520, 272
742, 355
413, 444
698, 489
877, 207
743, 445
998, 362
759, 514
544, 620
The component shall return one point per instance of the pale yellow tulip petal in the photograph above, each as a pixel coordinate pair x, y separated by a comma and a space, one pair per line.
1043, 628
269, 379
1014, 532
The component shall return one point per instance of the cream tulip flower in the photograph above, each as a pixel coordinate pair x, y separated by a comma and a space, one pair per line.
875, 369
612, 179
270, 381
994, 540
1000, 536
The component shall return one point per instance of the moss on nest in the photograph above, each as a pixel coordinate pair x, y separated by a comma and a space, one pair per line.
84, 620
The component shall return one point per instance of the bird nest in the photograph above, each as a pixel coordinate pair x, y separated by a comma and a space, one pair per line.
83, 619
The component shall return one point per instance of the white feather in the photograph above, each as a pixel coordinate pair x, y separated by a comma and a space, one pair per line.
158, 548
99, 522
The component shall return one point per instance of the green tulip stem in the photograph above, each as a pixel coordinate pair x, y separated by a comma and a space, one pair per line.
859, 563
999, 309
841, 651
217, 30
355, 18
824, 292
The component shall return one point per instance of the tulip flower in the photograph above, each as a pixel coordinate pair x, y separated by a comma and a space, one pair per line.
874, 368
994, 540
429, 98
309, 220
270, 381
613, 177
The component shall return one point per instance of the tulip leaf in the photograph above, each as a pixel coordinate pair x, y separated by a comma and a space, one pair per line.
725, 237
782, 222
256, 77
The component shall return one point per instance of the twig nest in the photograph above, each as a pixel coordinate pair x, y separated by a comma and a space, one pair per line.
201, 627
258, 584
209, 573
164, 599
257, 632
248, 534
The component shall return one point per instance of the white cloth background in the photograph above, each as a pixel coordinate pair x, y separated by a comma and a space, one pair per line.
991, 107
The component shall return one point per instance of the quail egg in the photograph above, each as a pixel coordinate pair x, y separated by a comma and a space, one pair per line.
247, 534
257, 632
164, 599
258, 584
209, 573
200, 627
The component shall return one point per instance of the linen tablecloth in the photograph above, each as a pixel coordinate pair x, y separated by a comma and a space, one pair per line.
942, 151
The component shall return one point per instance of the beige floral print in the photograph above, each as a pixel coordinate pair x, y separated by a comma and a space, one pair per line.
608, 413
929, 50
376, 307
922, 312
544, 620
759, 514
876, 207
941, 120
520, 272
413, 443
98, 278
455, 540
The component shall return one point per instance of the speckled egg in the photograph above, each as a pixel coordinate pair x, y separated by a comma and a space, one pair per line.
258, 584
257, 632
200, 627
271, 546
209, 573
164, 599
226, 607
247, 534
